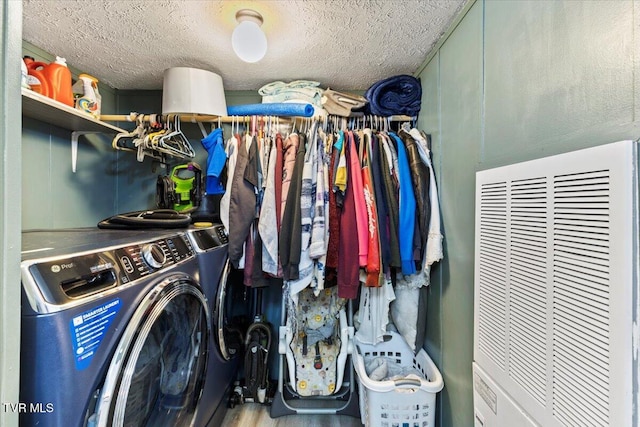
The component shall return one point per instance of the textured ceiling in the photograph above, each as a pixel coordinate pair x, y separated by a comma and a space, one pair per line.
346, 44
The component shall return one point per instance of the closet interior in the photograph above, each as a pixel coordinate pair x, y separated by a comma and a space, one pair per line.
215, 236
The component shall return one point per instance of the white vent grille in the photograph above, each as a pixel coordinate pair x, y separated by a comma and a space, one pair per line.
492, 275
527, 285
581, 304
557, 301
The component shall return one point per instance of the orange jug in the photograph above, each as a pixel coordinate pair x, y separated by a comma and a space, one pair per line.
59, 78
36, 78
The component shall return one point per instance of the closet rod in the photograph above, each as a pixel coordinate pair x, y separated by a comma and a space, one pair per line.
194, 118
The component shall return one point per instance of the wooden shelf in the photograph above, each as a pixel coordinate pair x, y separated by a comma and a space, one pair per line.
50, 111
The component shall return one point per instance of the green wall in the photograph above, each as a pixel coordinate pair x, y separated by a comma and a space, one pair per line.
10, 194
514, 81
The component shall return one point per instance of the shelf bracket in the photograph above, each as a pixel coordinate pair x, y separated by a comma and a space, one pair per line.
74, 146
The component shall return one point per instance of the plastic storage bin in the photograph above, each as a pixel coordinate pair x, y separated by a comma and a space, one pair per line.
399, 403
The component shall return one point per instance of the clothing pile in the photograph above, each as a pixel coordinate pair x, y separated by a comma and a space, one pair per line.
329, 207
395, 95
400, 94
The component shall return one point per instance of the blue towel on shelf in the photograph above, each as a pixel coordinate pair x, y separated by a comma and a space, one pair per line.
400, 94
275, 109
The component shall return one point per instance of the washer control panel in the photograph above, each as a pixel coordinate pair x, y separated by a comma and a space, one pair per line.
210, 238
141, 260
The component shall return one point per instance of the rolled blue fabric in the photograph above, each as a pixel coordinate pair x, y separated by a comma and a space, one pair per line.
400, 94
275, 109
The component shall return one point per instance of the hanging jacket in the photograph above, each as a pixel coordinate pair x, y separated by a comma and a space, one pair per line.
289, 149
355, 176
374, 278
319, 231
348, 260
242, 205
334, 223
434, 242
381, 204
391, 197
290, 243
268, 224
420, 178
407, 209
232, 154
307, 195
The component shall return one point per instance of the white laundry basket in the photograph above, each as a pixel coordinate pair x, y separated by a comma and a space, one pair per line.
399, 403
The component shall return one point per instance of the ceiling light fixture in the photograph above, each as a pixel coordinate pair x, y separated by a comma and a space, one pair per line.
248, 39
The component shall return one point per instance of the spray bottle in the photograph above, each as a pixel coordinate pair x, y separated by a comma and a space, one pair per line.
89, 99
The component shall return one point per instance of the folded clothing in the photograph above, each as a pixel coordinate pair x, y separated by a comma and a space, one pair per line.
307, 91
275, 109
340, 103
401, 94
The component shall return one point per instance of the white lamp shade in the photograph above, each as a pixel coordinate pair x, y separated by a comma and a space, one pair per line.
193, 91
249, 42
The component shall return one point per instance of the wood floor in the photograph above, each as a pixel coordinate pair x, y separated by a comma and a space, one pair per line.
253, 414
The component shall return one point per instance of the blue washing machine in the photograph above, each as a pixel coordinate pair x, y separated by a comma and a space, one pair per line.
210, 245
115, 329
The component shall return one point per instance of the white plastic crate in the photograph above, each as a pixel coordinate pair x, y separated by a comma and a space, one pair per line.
399, 403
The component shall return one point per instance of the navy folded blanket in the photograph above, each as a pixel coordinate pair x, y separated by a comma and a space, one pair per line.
274, 109
395, 95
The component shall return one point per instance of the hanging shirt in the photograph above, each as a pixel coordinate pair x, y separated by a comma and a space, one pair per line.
373, 277
390, 182
355, 174
340, 172
290, 149
268, 224
307, 196
216, 159
319, 231
290, 244
232, 154
381, 204
334, 223
420, 178
434, 241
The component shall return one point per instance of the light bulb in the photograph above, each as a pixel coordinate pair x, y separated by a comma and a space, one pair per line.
248, 40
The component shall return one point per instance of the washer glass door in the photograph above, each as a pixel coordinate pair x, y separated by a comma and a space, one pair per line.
156, 375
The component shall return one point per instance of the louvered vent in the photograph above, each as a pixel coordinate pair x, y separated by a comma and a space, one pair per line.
492, 274
527, 285
581, 303
557, 295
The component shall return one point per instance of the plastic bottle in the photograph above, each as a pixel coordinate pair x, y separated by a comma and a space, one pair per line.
36, 77
89, 99
59, 77
25, 75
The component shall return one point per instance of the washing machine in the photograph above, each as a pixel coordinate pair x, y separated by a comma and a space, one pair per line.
115, 329
210, 245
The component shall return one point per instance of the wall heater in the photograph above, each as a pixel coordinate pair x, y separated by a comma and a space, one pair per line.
556, 291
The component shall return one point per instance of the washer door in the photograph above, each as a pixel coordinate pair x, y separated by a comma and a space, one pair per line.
156, 375
227, 313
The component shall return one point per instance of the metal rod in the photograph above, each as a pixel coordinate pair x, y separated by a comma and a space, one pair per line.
195, 118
